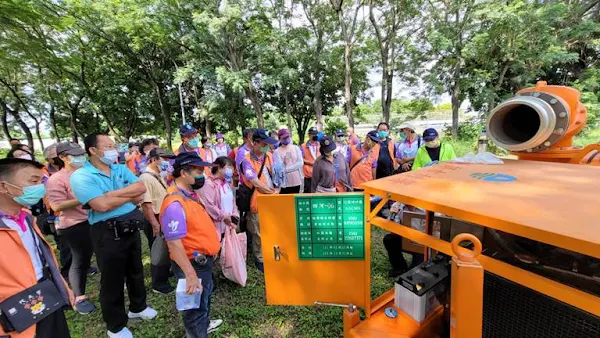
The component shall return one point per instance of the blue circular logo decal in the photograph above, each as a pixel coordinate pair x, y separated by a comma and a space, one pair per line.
493, 177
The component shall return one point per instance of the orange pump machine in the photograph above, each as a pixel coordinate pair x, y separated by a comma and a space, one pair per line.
317, 248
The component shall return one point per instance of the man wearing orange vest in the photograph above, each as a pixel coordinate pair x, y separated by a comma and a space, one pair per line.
353, 140
257, 171
310, 152
192, 240
189, 139
27, 259
363, 160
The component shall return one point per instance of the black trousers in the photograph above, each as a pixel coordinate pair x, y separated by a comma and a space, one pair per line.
53, 326
80, 244
290, 190
307, 185
64, 255
159, 274
393, 246
119, 261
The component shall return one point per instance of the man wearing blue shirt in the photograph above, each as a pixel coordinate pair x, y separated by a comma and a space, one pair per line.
111, 192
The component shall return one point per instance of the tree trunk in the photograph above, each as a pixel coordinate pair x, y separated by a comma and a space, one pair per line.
348, 83
455, 106
317, 102
387, 102
253, 96
38, 133
288, 111
208, 128
73, 112
165, 113
109, 123
497, 87
25, 128
5, 128
52, 117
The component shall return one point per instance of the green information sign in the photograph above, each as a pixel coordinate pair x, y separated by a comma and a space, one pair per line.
331, 228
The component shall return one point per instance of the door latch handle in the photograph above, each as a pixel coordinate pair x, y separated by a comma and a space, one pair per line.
350, 307
277, 252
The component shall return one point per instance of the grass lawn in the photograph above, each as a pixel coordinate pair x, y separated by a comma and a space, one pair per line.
244, 310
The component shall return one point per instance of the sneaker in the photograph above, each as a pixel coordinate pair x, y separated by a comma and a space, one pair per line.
214, 325
148, 313
84, 307
92, 271
164, 291
124, 333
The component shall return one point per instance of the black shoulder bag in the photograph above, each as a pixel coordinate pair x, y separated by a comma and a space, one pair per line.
244, 194
30, 306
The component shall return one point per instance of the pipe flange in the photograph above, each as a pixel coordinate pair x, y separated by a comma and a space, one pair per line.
561, 110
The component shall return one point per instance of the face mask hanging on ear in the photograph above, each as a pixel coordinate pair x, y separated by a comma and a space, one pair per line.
31, 194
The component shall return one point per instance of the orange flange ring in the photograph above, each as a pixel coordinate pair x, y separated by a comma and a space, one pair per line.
463, 254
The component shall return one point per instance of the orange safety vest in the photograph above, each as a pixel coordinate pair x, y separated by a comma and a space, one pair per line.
362, 165
256, 165
17, 272
201, 235
133, 160
307, 156
207, 156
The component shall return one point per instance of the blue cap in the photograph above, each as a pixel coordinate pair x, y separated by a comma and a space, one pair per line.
373, 135
327, 144
340, 132
191, 158
312, 130
430, 134
187, 129
261, 135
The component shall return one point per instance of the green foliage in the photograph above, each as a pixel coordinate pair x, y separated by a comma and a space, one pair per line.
332, 125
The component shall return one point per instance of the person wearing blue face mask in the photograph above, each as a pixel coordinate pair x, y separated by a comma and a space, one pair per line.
156, 191
27, 259
385, 162
189, 139
110, 193
217, 195
72, 224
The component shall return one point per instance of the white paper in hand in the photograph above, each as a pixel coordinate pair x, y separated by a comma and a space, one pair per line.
183, 301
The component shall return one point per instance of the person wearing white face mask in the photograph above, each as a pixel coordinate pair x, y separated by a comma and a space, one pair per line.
433, 151
111, 192
72, 223
217, 195
156, 191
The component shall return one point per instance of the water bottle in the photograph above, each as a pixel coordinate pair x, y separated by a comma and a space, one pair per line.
183, 301
200, 258
482, 142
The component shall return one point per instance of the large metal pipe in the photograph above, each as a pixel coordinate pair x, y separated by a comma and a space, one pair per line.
532, 121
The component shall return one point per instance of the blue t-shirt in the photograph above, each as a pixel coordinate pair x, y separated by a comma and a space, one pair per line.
88, 183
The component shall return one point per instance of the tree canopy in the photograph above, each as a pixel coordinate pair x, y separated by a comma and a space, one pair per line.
130, 68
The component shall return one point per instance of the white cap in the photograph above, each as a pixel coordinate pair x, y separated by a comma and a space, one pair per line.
408, 125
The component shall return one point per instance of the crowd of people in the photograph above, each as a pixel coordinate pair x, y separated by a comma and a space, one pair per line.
93, 205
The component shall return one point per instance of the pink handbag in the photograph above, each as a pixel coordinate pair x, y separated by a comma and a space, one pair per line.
233, 256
